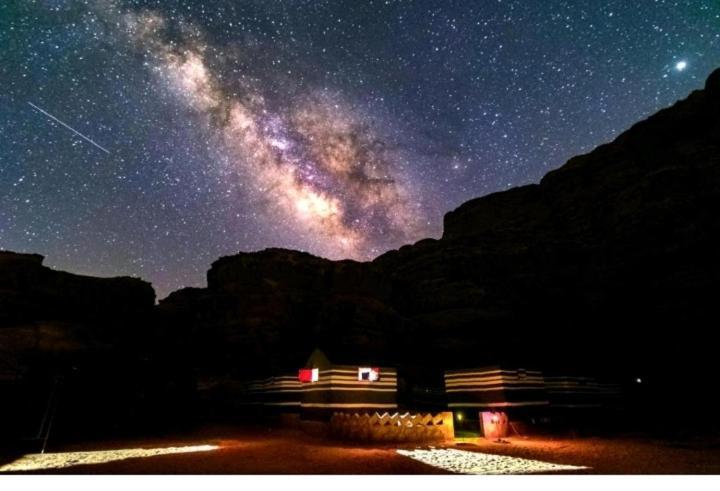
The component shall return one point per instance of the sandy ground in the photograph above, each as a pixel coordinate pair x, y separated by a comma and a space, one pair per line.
636, 455
281, 451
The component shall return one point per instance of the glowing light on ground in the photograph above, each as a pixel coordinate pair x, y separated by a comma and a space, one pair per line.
35, 462
464, 462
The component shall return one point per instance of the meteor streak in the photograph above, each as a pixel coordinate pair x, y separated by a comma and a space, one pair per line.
68, 127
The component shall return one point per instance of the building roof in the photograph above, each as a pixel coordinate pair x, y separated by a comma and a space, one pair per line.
319, 359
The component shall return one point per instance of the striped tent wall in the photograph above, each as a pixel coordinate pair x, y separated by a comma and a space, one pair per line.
338, 388
251, 392
282, 391
495, 387
572, 392
580, 392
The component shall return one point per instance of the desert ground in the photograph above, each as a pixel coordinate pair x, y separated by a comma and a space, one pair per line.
223, 450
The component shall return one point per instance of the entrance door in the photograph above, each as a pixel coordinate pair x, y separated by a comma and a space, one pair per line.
466, 423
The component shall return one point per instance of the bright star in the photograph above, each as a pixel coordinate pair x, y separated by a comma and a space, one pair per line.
681, 65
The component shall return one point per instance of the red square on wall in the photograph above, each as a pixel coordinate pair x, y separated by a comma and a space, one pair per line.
308, 375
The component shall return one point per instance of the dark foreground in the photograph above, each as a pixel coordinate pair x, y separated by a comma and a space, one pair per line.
279, 451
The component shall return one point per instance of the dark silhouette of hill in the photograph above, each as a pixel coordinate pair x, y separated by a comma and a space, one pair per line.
610, 264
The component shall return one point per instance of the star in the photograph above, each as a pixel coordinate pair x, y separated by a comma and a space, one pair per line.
344, 129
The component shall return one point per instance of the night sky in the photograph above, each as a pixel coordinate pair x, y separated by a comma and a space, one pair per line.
342, 128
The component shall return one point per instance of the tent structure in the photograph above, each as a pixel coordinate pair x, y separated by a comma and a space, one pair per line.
279, 391
574, 392
329, 387
322, 388
495, 387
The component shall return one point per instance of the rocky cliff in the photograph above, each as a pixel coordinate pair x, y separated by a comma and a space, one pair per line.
93, 339
611, 262
30, 292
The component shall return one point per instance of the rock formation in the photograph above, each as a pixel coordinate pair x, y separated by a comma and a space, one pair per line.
30, 292
611, 262
92, 341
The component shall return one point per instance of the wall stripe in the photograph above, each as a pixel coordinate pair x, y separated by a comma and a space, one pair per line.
338, 387
497, 404
348, 405
495, 387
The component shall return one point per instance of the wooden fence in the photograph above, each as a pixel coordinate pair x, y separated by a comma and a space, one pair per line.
423, 427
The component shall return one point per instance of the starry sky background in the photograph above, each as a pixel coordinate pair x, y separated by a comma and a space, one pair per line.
343, 128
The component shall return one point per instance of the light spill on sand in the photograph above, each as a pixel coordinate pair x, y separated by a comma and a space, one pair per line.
464, 462
34, 462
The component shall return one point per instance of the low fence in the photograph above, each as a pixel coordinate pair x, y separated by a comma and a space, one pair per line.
393, 427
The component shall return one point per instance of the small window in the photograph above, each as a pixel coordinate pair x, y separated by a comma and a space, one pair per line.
368, 374
308, 375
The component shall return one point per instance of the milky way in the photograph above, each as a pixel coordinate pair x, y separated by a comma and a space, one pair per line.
344, 129
315, 165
